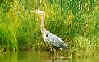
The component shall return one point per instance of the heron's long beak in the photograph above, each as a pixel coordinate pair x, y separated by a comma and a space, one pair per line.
33, 11
37, 12
40, 13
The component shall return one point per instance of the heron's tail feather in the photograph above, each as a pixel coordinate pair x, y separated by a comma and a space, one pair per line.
64, 46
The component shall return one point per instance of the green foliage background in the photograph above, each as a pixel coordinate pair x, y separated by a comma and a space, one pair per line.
76, 21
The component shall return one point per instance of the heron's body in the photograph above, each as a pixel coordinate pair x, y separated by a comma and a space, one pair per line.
48, 37
53, 40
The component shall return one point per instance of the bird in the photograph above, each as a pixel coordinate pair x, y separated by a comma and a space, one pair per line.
49, 38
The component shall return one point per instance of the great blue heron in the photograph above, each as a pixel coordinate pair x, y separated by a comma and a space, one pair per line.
48, 37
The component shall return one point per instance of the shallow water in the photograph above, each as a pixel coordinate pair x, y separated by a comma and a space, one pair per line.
43, 56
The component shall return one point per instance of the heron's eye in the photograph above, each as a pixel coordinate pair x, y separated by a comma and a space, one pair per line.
46, 35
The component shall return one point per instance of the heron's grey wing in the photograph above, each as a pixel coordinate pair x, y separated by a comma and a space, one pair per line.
55, 41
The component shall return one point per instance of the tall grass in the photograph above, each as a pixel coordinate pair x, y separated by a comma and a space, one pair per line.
76, 21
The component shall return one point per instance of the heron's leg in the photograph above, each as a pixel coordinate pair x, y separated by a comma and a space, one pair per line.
53, 51
50, 48
58, 52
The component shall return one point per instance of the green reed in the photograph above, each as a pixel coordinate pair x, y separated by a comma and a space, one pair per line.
75, 21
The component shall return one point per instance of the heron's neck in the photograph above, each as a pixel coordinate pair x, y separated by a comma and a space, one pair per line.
42, 23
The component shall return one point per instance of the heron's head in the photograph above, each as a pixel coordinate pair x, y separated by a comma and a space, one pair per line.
40, 13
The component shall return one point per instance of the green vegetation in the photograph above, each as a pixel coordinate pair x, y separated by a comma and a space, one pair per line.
76, 21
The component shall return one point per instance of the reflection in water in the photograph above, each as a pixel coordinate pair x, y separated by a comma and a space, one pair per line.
41, 56
32, 56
